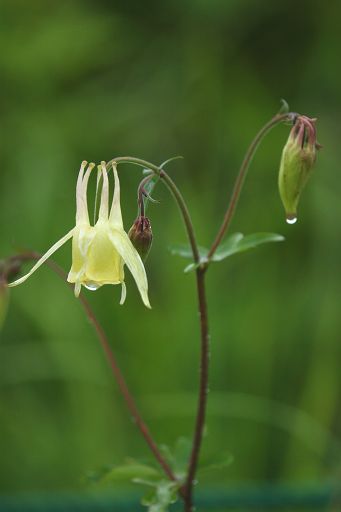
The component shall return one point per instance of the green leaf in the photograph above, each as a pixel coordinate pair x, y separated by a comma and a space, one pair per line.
222, 461
161, 492
192, 266
240, 243
182, 451
129, 472
233, 244
228, 247
161, 496
147, 171
178, 456
149, 187
284, 109
185, 251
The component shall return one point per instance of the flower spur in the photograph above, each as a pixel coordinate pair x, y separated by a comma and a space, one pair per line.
99, 252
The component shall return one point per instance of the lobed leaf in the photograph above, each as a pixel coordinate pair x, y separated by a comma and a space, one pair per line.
239, 243
221, 461
234, 244
161, 495
130, 471
185, 251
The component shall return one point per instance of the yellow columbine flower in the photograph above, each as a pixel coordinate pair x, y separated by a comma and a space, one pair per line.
99, 252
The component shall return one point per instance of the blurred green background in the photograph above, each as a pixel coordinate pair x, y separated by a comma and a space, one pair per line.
98, 79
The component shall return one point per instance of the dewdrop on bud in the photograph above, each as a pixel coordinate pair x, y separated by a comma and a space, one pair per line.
141, 236
297, 162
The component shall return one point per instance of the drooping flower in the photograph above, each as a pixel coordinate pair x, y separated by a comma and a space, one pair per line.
99, 252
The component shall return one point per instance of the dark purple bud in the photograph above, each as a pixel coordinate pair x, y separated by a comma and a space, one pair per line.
141, 236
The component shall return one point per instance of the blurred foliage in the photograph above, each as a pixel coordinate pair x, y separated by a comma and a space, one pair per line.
98, 79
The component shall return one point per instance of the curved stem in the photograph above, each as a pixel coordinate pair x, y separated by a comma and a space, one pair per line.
184, 212
241, 177
128, 398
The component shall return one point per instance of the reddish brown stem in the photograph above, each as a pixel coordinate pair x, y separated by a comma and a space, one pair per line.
203, 391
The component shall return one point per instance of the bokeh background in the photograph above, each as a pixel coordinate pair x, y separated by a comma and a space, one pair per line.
98, 79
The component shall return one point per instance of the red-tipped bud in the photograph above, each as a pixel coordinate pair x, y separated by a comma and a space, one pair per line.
141, 236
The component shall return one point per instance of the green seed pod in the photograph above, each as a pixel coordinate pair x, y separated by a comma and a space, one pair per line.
141, 236
297, 162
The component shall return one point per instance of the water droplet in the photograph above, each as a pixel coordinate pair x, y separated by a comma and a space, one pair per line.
92, 286
291, 219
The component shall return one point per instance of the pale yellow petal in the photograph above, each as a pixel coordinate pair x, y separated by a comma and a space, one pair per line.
80, 178
123, 293
125, 248
99, 176
82, 215
82, 239
104, 264
42, 260
77, 289
104, 206
115, 217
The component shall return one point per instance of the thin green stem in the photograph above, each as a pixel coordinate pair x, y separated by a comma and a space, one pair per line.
128, 398
241, 178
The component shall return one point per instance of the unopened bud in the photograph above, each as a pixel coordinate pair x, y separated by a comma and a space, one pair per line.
141, 236
298, 158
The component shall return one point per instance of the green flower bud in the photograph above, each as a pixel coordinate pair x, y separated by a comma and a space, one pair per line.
141, 236
298, 158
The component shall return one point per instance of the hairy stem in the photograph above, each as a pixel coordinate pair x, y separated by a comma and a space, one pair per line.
127, 396
241, 177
